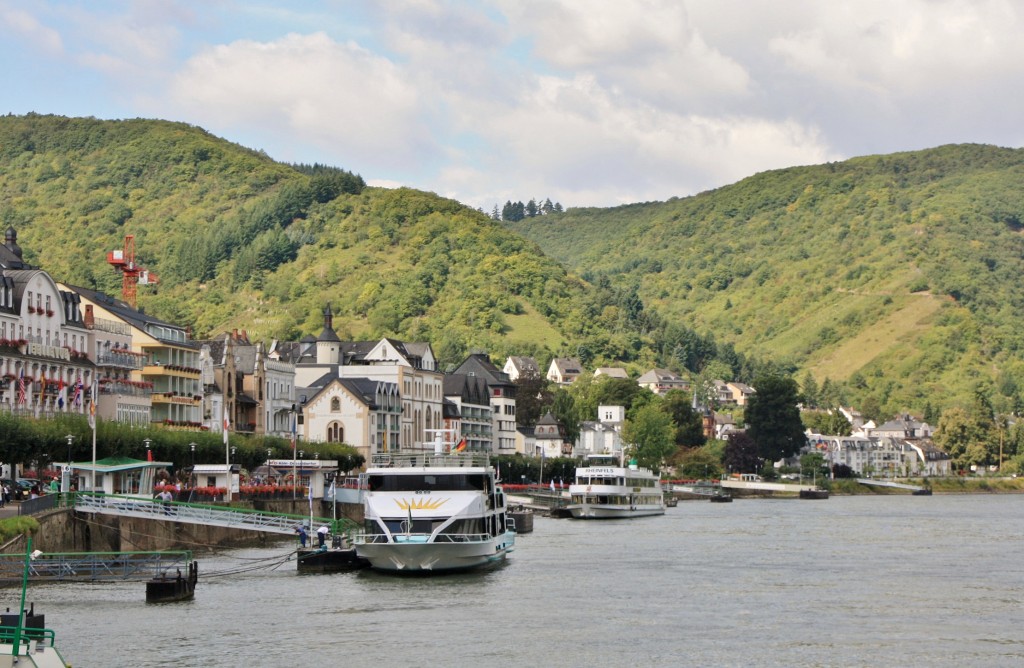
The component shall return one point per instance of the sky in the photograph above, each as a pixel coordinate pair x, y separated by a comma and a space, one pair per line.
585, 102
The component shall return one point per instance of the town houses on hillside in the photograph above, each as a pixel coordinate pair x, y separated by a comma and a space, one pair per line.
70, 349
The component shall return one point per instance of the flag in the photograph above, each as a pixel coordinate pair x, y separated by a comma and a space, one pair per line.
460, 447
227, 426
21, 386
310, 488
42, 386
92, 406
77, 397
552, 484
149, 455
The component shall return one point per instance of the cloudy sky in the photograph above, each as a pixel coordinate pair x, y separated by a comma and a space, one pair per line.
588, 102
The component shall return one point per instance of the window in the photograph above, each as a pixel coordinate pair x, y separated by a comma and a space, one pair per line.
335, 405
335, 433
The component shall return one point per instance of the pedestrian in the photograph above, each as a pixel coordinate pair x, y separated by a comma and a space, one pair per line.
301, 530
166, 497
54, 486
321, 535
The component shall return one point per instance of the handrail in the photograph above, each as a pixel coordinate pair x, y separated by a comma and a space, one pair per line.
179, 511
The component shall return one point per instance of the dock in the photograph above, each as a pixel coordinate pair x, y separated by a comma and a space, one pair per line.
916, 490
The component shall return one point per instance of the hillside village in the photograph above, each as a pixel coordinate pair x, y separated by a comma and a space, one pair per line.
69, 349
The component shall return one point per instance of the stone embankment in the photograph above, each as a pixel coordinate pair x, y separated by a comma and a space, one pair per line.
64, 530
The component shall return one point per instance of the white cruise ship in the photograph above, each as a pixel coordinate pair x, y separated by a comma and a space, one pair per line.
433, 513
605, 489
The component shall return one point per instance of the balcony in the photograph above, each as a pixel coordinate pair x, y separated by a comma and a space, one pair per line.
126, 387
175, 398
122, 359
171, 370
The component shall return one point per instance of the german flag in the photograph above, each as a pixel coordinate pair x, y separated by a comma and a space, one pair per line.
460, 446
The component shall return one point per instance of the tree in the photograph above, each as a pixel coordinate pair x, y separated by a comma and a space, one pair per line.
963, 437
773, 419
810, 391
563, 407
694, 463
831, 422
813, 464
688, 423
741, 454
650, 434
532, 397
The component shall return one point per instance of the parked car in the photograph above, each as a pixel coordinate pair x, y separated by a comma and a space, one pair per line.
20, 488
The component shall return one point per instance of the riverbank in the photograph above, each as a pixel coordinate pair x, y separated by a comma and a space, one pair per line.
958, 485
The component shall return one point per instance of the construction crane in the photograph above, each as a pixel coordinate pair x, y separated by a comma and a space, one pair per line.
131, 273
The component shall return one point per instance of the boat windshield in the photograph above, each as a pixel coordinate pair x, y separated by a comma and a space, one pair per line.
427, 481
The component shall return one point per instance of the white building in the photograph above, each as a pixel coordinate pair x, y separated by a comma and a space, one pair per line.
603, 436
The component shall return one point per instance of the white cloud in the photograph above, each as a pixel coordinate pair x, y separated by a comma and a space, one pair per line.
313, 90
31, 31
578, 143
649, 49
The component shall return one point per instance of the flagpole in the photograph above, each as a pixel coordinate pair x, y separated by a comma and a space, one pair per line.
295, 475
92, 423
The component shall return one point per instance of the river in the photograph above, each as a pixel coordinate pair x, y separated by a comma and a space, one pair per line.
849, 581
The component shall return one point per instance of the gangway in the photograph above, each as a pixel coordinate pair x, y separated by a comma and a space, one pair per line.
194, 513
889, 483
699, 488
94, 566
767, 486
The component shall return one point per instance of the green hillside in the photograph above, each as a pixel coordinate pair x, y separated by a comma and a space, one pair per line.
894, 277
240, 241
896, 274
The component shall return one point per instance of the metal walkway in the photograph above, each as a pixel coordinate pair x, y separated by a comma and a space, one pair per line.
93, 566
699, 488
888, 483
193, 513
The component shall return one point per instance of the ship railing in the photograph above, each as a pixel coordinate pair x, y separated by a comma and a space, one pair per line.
45, 637
373, 538
424, 459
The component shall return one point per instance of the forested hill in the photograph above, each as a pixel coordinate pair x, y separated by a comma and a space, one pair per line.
897, 274
897, 278
239, 240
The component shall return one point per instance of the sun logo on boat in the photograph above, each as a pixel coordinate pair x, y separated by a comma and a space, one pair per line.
420, 504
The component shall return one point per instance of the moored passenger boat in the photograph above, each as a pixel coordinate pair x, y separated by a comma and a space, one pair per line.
428, 513
604, 489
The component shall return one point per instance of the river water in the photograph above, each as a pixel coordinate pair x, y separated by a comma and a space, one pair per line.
849, 581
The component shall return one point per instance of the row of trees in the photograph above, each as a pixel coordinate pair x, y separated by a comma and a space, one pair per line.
41, 442
513, 212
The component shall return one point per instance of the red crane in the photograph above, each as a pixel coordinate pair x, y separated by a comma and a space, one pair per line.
132, 274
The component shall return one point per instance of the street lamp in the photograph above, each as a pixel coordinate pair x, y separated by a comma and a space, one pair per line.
192, 447
71, 438
147, 441
268, 454
301, 453
232, 453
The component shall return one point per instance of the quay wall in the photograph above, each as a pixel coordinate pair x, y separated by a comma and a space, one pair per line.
64, 530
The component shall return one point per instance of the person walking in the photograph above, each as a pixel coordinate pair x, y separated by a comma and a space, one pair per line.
166, 497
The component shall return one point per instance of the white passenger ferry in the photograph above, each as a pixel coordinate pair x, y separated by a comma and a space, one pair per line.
606, 489
432, 513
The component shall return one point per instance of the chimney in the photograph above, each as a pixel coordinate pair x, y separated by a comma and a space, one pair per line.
90, 319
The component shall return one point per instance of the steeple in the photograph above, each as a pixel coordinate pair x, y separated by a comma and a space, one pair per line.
328, 345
